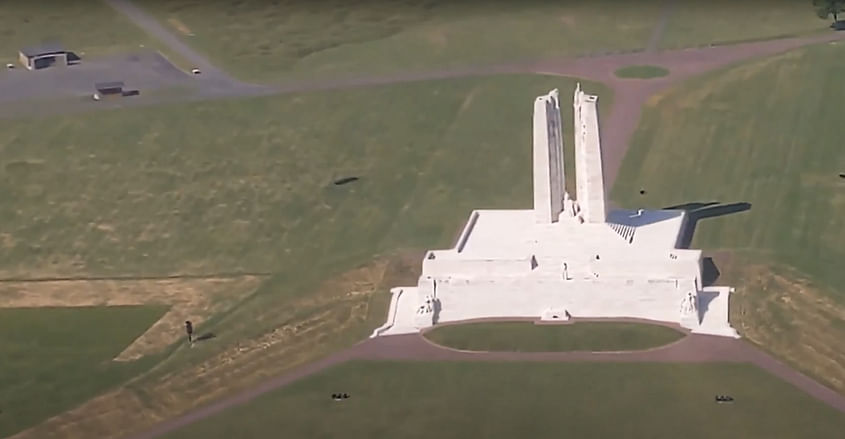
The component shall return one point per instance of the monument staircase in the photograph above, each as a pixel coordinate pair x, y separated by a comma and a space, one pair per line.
624, 230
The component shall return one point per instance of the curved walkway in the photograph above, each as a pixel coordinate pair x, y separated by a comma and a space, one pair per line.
693, 348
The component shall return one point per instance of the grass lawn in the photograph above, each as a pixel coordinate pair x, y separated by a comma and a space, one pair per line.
538, 400
751, 134
246, 185
86, 27
266, 41
641, 72
270, 41
530, 337
55, 358
700, 22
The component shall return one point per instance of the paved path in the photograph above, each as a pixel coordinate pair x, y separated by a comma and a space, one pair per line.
151, 25
657, 33
691, 349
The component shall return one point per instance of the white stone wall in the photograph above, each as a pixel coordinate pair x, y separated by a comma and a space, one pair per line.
476, 268
589, 172
548, 159
461, 300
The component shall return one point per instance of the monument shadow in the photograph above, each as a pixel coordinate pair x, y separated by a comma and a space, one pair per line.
709, 272
699, 211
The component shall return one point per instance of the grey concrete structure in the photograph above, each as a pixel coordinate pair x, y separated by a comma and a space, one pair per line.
47, 55
549, 175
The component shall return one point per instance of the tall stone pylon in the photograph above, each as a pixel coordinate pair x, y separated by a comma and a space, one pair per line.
549, 176
589, 172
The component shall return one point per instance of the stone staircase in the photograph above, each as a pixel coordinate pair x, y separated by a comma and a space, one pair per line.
625, 231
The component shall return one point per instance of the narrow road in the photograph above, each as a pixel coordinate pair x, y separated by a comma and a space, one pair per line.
657, 34
151, 25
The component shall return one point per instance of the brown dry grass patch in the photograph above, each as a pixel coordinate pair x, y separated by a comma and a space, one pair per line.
189, 299
791, 317
340, 312
180, 26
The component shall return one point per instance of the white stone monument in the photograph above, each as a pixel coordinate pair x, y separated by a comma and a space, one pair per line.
565, 257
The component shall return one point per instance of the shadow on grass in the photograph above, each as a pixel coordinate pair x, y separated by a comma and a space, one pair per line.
204, 337
698, 211
709, 272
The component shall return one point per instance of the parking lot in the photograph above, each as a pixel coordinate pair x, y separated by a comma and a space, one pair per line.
144, 71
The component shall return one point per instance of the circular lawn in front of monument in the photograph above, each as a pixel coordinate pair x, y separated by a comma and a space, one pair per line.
530, 337
641, 72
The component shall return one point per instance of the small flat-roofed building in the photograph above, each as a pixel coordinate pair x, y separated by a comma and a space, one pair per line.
112, 89
109, 88
43, 56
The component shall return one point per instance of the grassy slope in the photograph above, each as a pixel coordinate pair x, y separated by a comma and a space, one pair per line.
261, 40
529, 337
79, 25
506, 400
754, 134
246, 185
700, 22
55, 358
264, 41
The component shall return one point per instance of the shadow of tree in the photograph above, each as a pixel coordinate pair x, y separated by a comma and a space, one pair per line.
206, 336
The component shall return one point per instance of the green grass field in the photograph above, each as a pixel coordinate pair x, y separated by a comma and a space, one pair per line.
766, 133
246, 185
265, 41
751, 134
55, 358
529, 337
508, 400
260, 41
641, 72
700, 22
85, 26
